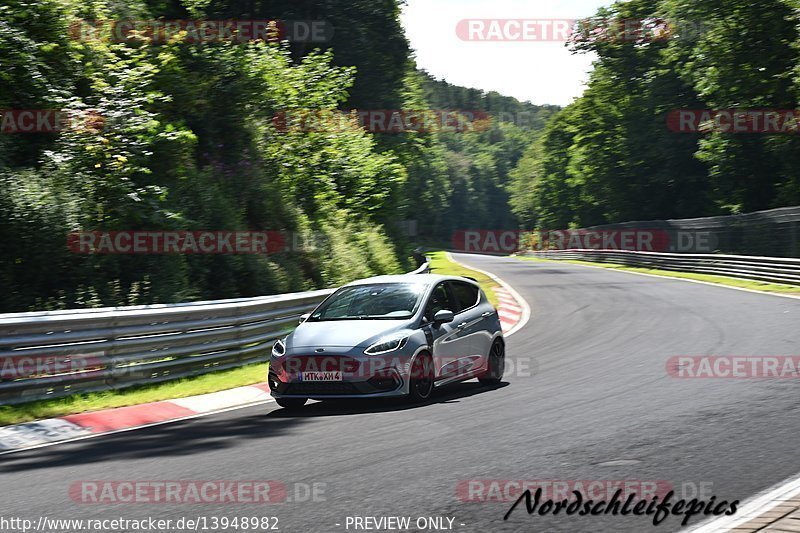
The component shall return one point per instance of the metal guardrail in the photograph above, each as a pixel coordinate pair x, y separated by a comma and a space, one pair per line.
771, 269
772, 233
58, 353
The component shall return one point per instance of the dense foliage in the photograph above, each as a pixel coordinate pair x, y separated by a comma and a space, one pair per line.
188, 142
610, 156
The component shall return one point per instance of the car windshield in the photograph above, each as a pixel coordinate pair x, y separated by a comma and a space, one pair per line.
380, 301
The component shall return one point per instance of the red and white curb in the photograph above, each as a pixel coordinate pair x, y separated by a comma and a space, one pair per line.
509, 310
514, 311
84, 425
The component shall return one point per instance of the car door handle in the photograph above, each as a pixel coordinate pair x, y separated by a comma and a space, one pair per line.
462, 325
487, 313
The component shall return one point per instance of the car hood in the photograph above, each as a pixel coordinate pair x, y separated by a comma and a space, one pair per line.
343, 333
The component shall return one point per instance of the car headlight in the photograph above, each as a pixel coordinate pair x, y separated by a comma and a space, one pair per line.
386, 345
279, 348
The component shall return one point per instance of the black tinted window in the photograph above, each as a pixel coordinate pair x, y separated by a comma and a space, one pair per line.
440, 299
466, 294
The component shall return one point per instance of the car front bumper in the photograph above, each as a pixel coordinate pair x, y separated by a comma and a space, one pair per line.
361, 376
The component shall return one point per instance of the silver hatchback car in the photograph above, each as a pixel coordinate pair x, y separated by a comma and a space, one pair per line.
390, 336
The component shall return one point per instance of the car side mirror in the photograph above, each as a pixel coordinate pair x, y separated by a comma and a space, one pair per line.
443, 316
304, 317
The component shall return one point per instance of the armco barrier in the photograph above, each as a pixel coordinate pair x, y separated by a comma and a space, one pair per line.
771, 233
772, 269
58, 353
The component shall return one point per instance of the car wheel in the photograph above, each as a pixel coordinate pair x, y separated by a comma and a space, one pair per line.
291, 403
421, 384
497, 364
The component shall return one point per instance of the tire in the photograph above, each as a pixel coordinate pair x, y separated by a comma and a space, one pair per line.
291, 403
422, 377
497, 364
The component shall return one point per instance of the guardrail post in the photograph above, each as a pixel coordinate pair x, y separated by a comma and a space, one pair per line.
111, 355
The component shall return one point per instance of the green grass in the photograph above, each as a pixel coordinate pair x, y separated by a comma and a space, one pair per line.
721, 280
95, 401
441, 265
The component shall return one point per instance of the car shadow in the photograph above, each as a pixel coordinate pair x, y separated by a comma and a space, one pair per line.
356, 406
212, 433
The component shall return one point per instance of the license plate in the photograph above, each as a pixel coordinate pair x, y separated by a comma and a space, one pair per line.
321, 376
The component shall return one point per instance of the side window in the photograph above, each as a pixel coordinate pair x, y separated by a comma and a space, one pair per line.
439, 299
466, 294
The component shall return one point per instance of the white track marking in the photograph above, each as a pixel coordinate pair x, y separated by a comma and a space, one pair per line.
215, 401
526, 310
30, 434
753, 508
